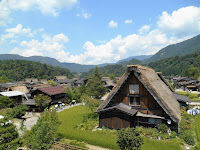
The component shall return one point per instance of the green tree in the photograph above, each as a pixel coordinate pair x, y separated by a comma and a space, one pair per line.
95, 85
5, 102
192, 72
44, 133
91, 103
4, 79
19, 111
9, 138
129, 139
42, 101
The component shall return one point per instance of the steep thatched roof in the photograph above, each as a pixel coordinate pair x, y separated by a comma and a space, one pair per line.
156, 87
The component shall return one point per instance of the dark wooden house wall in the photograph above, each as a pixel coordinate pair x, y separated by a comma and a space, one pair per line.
115, 120
148, 105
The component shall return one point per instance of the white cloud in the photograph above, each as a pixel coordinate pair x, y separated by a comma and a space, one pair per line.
113, 24
128, 21
144, 29
84, 14
13, 33
119, 47
183, 22
49, 46
47, 7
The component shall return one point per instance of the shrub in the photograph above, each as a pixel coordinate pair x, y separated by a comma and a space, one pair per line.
173, 135
90, 116
148, 132
197, 146
129, 139
16, 112
80, 144
5, 102
187, 136
163, 128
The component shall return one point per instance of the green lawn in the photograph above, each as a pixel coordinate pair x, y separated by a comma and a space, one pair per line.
73, 116
197, 131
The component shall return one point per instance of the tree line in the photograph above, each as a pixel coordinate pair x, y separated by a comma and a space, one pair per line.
16, 70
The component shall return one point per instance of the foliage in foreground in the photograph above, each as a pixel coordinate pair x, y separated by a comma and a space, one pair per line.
129, 139
5, 102
16, 112
43, 134
9, 138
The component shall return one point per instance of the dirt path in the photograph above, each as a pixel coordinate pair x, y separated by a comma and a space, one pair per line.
92, 147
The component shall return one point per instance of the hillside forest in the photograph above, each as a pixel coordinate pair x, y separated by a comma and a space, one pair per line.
17, 70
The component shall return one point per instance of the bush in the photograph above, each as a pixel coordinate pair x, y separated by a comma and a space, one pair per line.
163, 128
148, 132
197, 146
187, 136
79, 144
5, 102
173, 135
129, 139
91, 116
16, 112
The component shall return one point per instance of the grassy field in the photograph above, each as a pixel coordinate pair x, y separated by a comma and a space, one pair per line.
73, 116
161, 145
192, 96
197, 131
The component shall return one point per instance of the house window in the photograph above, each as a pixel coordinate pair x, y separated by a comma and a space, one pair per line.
134, 100
134, 88
155, 121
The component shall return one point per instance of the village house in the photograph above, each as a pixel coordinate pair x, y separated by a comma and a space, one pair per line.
108, 83
56, 93
140, 98
31, 80
80, 82
14, 86
16, 96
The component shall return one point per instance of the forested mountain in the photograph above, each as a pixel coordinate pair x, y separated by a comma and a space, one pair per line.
178, 65
17, 70
186, 47
141, 58
73, 67
130, 62
116, 69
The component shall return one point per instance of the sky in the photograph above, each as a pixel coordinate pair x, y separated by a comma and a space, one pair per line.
95, 31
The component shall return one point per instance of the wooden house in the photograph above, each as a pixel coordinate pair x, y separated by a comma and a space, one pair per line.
140, 98
56, 93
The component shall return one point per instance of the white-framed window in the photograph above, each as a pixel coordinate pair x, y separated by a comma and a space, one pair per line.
134, 89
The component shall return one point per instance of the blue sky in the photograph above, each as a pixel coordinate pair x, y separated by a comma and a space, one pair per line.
95, 32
